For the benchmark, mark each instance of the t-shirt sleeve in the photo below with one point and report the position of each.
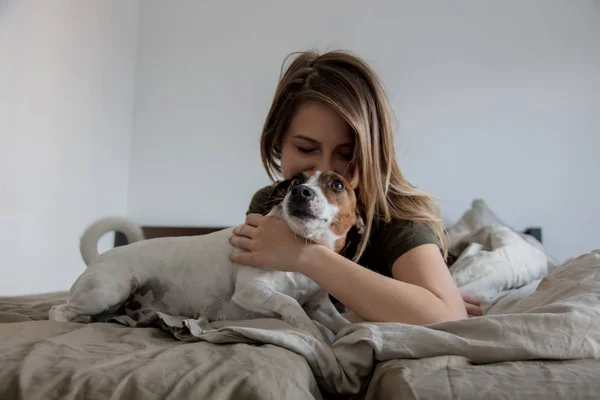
(398, 237)
(260, 201)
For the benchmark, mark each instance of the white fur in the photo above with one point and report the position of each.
(198, 277)
(318, 230)
(89, 247)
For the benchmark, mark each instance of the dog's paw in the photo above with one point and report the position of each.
(59, 313)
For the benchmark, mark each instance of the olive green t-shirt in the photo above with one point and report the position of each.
(387, 241)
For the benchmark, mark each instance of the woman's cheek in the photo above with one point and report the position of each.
(292, 165)
(343, 168)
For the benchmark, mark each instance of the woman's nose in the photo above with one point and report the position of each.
(324, 164)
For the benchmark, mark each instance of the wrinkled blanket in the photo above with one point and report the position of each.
(560, 320)
(494, 261)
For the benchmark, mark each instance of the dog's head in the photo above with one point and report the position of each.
(319, 206)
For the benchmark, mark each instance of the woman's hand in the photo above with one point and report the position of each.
(472, 304)
(269, 242)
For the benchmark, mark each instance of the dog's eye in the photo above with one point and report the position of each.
(338, 185)
(295, 182)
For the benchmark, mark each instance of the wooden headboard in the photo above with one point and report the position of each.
(536, 232)
(151, 232)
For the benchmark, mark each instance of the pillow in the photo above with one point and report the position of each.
(475, 218)
(479, 216)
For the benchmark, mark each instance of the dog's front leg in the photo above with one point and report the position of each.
(320, 308)
(260, 298)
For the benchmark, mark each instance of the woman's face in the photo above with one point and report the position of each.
(318, 138)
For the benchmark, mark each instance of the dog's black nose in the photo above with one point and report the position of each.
(303, 192)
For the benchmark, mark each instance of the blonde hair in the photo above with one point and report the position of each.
(346, 83)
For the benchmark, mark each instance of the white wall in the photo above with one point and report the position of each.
(494, 100)
(66, 98)
(498, 101)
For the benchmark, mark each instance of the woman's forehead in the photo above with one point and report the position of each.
(320, 124)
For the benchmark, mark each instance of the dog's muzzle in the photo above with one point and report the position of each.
(299, 202)
(302, 193)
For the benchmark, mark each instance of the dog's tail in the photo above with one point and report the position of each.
(88, 245)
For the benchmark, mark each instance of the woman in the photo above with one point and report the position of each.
(330, 112)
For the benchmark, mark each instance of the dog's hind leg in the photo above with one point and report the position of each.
(96, 290)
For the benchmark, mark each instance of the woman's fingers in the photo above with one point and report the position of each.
(472, 303)
(241, 242)
(254, 219)
(245, 230)
(473, 310)
(470, 298)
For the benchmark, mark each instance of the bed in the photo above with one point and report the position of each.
(539, 338)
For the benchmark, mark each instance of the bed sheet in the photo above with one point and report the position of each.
(44, 359)
(545, 344)
(454, 377)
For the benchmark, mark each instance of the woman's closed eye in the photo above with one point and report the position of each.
(305, 149)
(345, 156)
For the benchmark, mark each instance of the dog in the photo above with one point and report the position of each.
(197, 278)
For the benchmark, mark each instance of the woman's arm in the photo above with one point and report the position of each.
(421, 292)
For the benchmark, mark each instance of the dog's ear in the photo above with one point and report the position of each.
(277, 195)
(281, 190)
(360, 223)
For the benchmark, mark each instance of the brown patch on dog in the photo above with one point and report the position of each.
(347, 215)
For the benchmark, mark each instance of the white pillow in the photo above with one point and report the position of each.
(479, 216)
(475, 218)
